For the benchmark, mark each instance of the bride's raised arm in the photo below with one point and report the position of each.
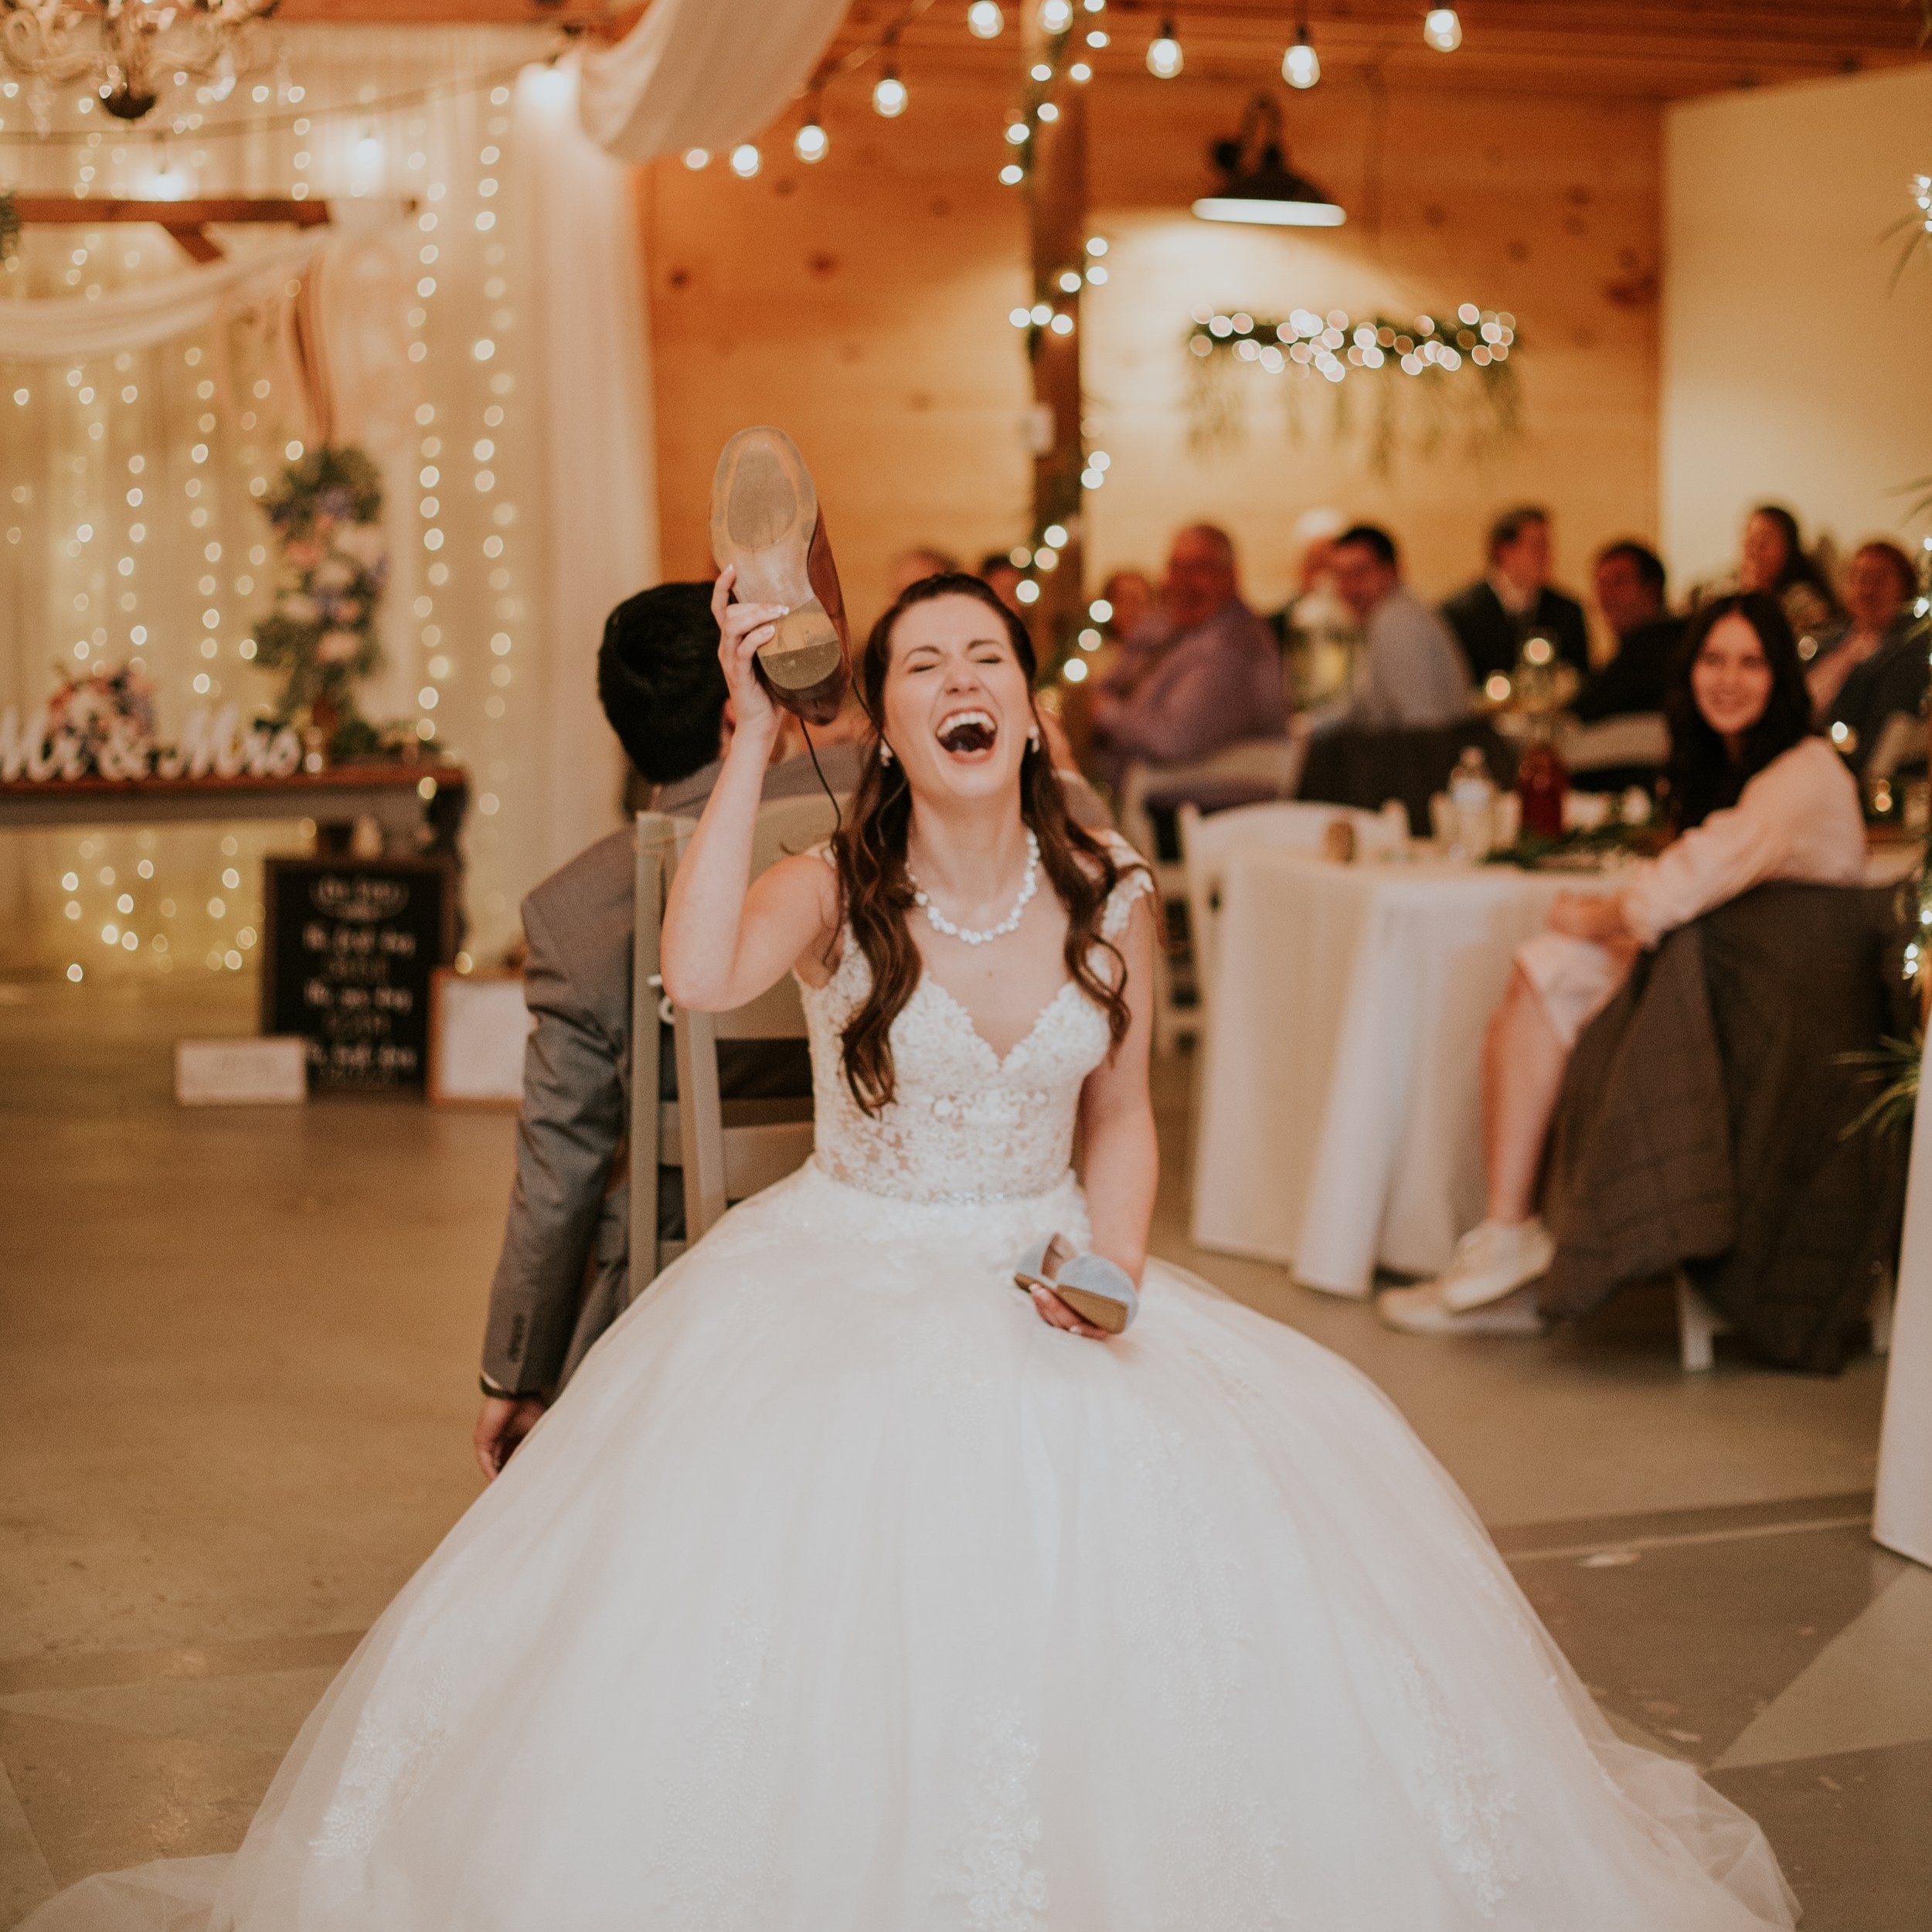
(727, 937)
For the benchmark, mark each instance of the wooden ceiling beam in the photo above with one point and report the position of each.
(1659, 48)
(597, 15)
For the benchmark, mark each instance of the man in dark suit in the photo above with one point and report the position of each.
(1513, 602)
(1630, 593)
(564, 1276)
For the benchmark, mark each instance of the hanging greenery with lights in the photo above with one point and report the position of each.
(1420, 385)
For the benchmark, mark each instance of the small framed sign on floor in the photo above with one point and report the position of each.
(352, 944)
(478, 1023)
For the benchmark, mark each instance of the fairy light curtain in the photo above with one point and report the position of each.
(130, 525)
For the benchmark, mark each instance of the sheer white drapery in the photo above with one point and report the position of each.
(703, 73)
(59, 328)
(593, 364)
(129, 523)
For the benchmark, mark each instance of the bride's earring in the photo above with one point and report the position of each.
(885, 752)
(1033, 738)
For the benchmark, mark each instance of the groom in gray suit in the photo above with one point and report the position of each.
(564, 1276)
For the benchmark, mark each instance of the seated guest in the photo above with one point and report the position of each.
(1204, 674)
(1410, 673)
(1127, 598)
(1870, 667)
(1001, 575)
(564, 1275)
(1130, 598)
(1318, 631)
(914, 566)
(1512, 601)
(1772, 558)
(1630, 593)
(1754, 796)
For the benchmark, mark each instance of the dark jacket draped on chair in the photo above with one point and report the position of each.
(1703, 1124)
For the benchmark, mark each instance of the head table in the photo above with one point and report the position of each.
(1339, 1120)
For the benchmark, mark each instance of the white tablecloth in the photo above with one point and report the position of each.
(1903, 1519)
(1340, 1111)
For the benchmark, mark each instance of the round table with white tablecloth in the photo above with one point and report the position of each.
(1339, 1127)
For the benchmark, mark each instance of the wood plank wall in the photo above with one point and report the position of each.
(862, 304)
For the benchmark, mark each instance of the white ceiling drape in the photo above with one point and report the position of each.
(59, 328)
(703, 73)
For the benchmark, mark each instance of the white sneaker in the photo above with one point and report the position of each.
(1419, 1310)
(1494, 1259)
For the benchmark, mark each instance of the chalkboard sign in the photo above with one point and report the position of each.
(352, 944)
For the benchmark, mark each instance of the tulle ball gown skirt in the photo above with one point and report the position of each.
(841, 1594)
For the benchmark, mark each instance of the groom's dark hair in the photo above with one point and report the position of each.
(662, 686)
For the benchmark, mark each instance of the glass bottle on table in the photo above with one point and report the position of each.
(1541, 783)
(1472, 805)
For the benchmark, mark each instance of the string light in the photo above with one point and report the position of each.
(985, 19)
(1330, 345)
(1165, 59)
(811, 144)
(697, 157)
(1442, 28)
(746, 160)
(1056, 16)
(1301, 66)
(889, 96)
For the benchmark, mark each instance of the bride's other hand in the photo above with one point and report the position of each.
(1057, 1314)
(742, 628)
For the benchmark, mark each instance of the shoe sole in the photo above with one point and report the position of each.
(764, 510)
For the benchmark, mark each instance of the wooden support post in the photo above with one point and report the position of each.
(1056, 212)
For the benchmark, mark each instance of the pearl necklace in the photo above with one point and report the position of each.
(940, 923)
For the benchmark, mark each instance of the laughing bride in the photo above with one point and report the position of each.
(851, 1588)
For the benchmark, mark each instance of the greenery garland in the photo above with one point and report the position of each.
(1437, 369)
(327, 508)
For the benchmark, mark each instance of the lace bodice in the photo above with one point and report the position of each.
(966, 1125)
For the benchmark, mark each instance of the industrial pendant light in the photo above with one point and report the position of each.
(1257, 185)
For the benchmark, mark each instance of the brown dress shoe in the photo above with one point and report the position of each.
(765, 520)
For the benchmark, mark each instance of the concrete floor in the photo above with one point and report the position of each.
(240, 1361)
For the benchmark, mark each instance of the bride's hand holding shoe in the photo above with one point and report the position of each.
(742, 628)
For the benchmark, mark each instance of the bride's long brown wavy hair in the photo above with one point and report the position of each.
(870, 849)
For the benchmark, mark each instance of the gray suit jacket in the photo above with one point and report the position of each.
(564, 1274)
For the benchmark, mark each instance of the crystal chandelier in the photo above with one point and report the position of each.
(123, 48)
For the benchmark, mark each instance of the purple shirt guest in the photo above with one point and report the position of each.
(1207, 674)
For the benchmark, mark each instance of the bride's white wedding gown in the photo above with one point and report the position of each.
(840, 1593)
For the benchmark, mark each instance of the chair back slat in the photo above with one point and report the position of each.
(656, 854)
(727, 1150)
